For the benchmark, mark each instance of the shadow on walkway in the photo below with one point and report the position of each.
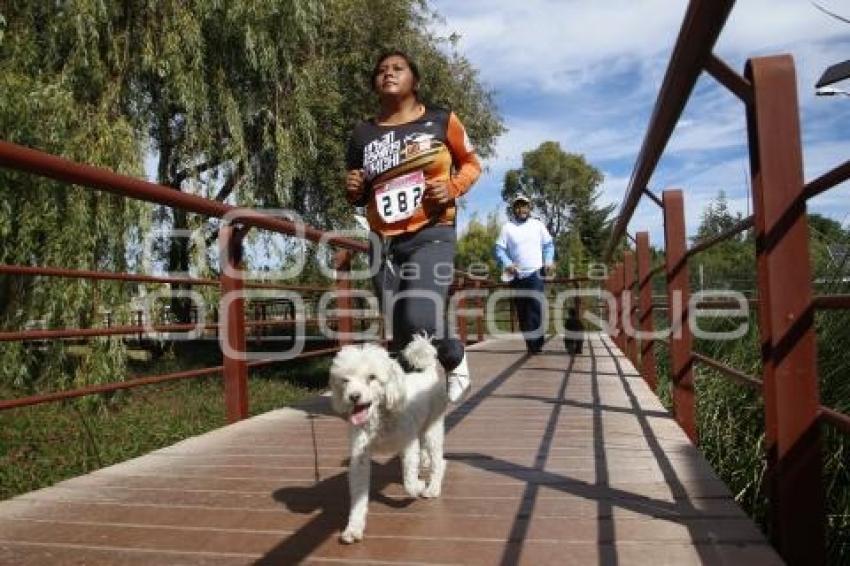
(681, 511)
(329, 498)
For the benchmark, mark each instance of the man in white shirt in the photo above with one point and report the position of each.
(524, 249)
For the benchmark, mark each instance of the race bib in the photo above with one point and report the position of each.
(399, 198)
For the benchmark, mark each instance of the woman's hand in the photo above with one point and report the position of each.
(437, 192)
(354, 183)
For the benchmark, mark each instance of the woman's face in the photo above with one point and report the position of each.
(394, 77)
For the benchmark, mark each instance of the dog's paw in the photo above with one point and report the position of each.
(415, 489)
(351, 535)
(431, 492)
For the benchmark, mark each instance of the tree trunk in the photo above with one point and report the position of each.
(178, 244)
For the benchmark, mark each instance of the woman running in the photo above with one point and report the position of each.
(407, 166)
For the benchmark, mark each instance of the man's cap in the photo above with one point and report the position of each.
(519, 197)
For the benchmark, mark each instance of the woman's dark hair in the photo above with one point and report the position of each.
(414, 68)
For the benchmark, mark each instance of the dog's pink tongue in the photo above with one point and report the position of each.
(359, 415)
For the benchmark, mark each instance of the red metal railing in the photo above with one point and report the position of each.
(234, 369)
(785, 304)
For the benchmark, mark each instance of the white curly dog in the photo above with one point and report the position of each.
(390, 412)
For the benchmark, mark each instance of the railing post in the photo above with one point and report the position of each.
(645, 313)
(257, 327)
(629, 306)
(618, 300)
(479, 318)
(551, 327)
(786, 315)
(577, 302)
(232, 285)
(609, 288)
(678, 295)
(602, 303)
(345, 323)
(461, 312)
(514, 322)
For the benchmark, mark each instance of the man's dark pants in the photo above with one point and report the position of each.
(529, 310)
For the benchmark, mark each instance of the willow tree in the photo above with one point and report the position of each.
(245, 102)
(257, 99)
(47, 101)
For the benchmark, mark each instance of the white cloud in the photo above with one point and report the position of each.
(554, 45)
(587, 74)
(769, 25)
(563, 45)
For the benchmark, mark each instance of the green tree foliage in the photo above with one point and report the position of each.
(829, 244)
(564, 189)
(475, 246)
(730, 264)
(48, 223)
(593, 222)
(717, 218)
(245, 102)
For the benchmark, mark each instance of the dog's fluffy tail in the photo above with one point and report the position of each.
(420, 353)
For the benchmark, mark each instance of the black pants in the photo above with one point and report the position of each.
(529, 310)
(412, 284)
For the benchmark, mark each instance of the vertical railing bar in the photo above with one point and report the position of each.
(647, 346)
(461, 311)
(678, 295)
(345, 322)
(629, 303)
(479, 317)
(234, 346)
(617, 289)
(786, 313)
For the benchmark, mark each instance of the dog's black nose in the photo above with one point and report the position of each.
(354, 397)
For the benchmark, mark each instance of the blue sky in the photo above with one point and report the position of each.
(586, 74)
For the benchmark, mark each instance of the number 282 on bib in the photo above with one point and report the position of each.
(398, 198)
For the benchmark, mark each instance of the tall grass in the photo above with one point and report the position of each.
(44, 444)
(730, 421)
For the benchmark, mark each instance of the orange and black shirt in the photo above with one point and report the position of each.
(399, 159)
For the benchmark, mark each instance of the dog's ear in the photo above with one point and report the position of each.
(394, 395)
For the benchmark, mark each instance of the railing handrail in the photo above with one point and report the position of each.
(140, 278)
(786, 304)
(28, 160)
(43, 164)
(20, 158)
(703, 22)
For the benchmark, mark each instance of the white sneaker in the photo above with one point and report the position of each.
(459, 381)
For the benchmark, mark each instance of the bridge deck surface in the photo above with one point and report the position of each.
(552, 460)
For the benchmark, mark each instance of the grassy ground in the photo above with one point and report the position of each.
(44, 444)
